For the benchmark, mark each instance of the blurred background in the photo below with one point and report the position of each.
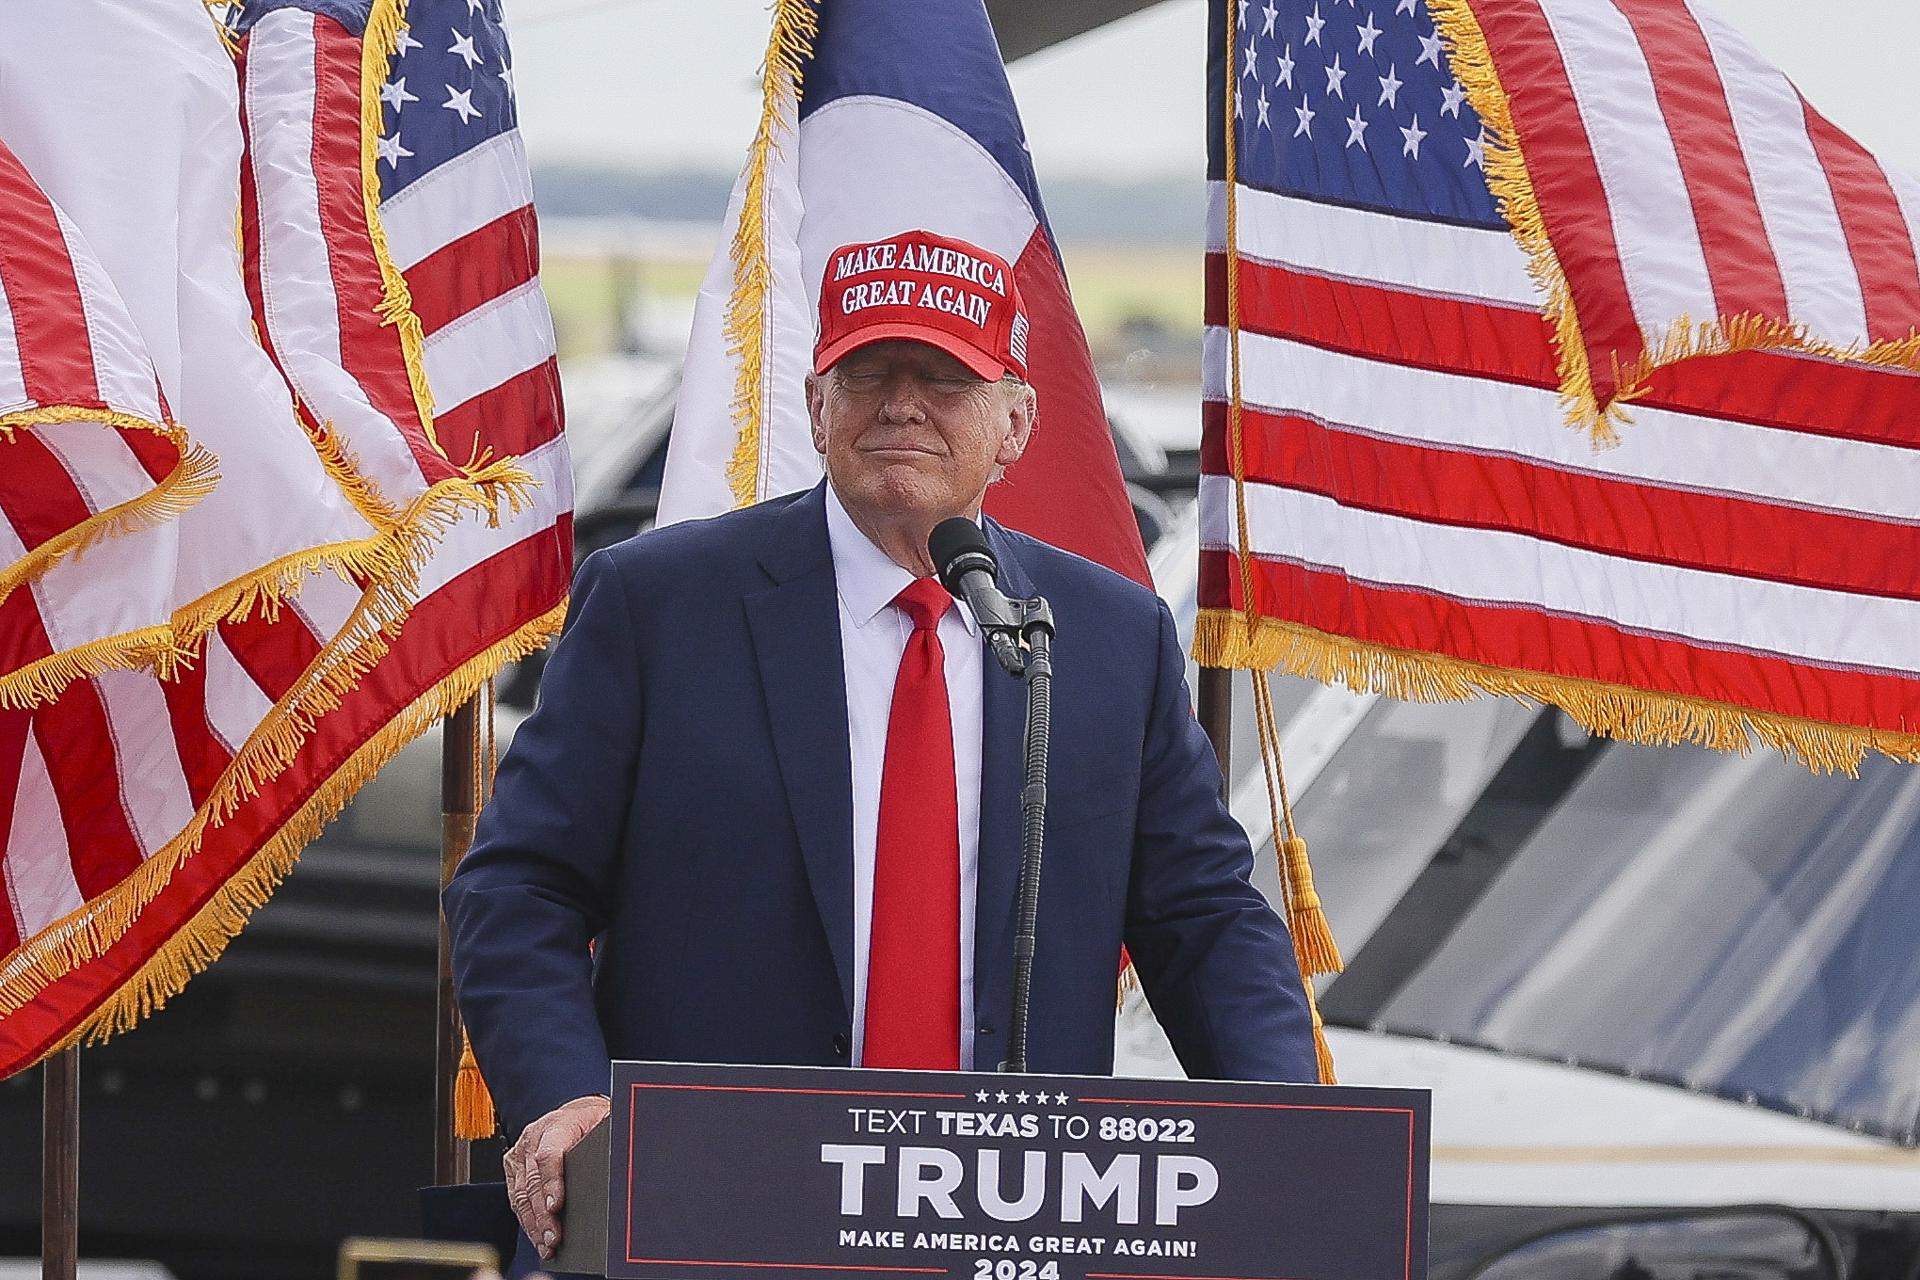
(1616, 952)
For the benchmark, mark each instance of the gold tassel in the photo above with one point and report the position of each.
(473, 1115)
(1322, 1051)
(1313, 940)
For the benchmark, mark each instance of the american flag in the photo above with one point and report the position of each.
(1668, 225)
(428, 386)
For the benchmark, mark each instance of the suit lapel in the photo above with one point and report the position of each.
(1002, 753)
(796, 637)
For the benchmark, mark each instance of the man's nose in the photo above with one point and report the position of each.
(900, 401)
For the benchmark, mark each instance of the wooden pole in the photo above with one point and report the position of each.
(459, 810)
(60, 1166)
(1216, 717)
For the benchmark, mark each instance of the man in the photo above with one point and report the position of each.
(773, 775)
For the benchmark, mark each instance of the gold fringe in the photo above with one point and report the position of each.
(154, 649)
(1226, 639)
(382, 41)
(795, 24)
(60, 949)
(1518, 202)
(473, 1114)
(191, 479)
(1129, 979)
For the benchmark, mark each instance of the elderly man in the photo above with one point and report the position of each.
(774, 777)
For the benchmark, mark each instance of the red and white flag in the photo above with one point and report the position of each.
(861, 139)
(429, 549)
(1440, 231)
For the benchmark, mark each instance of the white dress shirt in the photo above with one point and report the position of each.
(873, 636)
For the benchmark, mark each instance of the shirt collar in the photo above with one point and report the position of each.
(866, 578)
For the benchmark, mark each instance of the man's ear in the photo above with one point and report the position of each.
(815, 395)
(1023, 417)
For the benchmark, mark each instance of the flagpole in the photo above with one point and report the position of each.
(459, 810)
(60, 1166)
(1216, 718)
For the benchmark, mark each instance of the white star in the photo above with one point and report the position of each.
(1368, 34)
(1252, 57)
(394, 93)
(461, 101)
(980, 1096)
(475, 6)
(1336, 78)
(1476, 153)
(1414, 137)
(1306, 115)
(1272, 15)
(1454, 96)
(506, 74)
(390, 150)
(1430, 50)
(1243, 12)
(1002, 1095)
(1357, 129)
(405, 43)
(1020, 1096)
(1239, 102)
(1061, 1098)
(1314, 23)
(1261, 103)
(1286, 67)
(1390, 88)
(463, 45)
(1405, 6)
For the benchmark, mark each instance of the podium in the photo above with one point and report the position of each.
(748, 1173)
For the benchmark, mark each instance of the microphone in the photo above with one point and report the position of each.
(968, 569)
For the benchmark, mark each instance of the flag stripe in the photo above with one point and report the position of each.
(463, 195)
(1713, 455)
(1573, 199)
(40, 870)
(153, 785)
(1419, 256)
(1875, 229)
(202, 756)
(273, 652)
(1803, 226)
(40, 499)
(1726, 212)
(1783, 391)
(103, 847)
(56, 356)
(1517, 494)
(1659, 245)
(14, 728)
(519, 415)
(1530, 639)
(486, 346)
(1814, 625)
(468, 273)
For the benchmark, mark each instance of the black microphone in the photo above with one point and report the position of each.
(968, 569)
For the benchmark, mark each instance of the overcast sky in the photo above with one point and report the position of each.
(671, 82)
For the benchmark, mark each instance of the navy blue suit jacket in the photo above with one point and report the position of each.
(682, 794)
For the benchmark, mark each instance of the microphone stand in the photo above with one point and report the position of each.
(1031, 622)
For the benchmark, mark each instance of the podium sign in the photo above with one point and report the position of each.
(746, 1172)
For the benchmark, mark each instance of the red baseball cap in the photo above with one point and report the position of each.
(927, 288)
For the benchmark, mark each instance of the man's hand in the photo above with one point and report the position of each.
(536, 1180)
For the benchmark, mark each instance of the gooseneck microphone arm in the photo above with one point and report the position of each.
(968, 569)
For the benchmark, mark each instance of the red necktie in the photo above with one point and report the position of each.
(913, 956)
